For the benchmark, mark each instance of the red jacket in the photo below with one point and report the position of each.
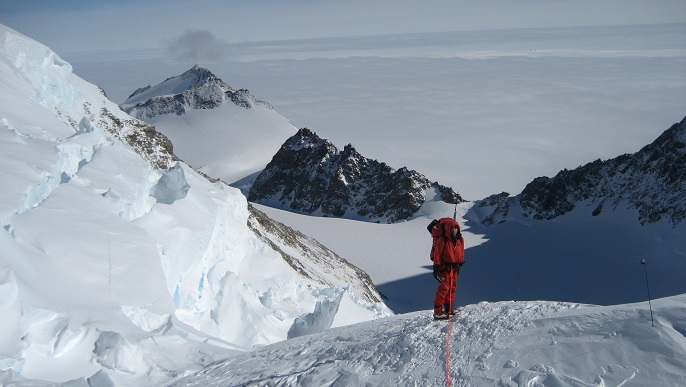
(446, 249)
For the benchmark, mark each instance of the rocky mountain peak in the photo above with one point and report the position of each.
(310, 175)
(651, 181)
(197, 88)
(199, 75)
(196, 77)
(305, 138)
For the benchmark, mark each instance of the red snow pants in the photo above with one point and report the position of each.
(445, 294)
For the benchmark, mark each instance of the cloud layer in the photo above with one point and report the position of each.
(482, 112)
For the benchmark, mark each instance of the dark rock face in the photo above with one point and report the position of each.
(310, 175)
(197, 88)
(652, 180)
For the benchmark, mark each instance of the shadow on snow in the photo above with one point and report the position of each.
(593, 262)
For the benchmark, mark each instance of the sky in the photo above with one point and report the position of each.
(78, 25)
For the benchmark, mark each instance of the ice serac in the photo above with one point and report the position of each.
(318, 321)
(121, 265)
(651, 181)
(171, 186)
(310, 175)
(225, 133)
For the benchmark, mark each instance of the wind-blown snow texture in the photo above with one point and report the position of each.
(120, 264)
(310, 175)
(503, 344)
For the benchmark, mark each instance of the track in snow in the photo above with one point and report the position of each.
(506, 343)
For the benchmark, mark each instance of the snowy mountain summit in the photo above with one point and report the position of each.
(310, 175)
(197, 88)
(651, 181)
(225, 133)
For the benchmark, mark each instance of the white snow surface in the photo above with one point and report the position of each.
(530, 343)
(576, 257)
(229, 142)
(112, 271)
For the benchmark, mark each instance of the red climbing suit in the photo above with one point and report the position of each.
(448, 253)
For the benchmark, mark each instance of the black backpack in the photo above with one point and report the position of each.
(432, 225)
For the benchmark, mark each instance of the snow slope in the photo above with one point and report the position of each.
(114, 268)
(505, 344)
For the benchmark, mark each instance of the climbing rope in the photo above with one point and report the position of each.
(447, 354)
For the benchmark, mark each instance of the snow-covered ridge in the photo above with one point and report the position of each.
(50, 82)
(651, 181)
(312, 176)
(316, 261)
(121, 264)
(491, 344)
(197, 88)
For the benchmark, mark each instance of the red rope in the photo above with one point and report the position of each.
(447, 353)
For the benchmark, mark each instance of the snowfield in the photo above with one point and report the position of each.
(529, 343)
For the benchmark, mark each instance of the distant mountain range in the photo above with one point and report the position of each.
(307, 174)
(652, 181)
(312, 176)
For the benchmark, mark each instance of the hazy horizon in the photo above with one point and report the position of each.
(481, 97)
